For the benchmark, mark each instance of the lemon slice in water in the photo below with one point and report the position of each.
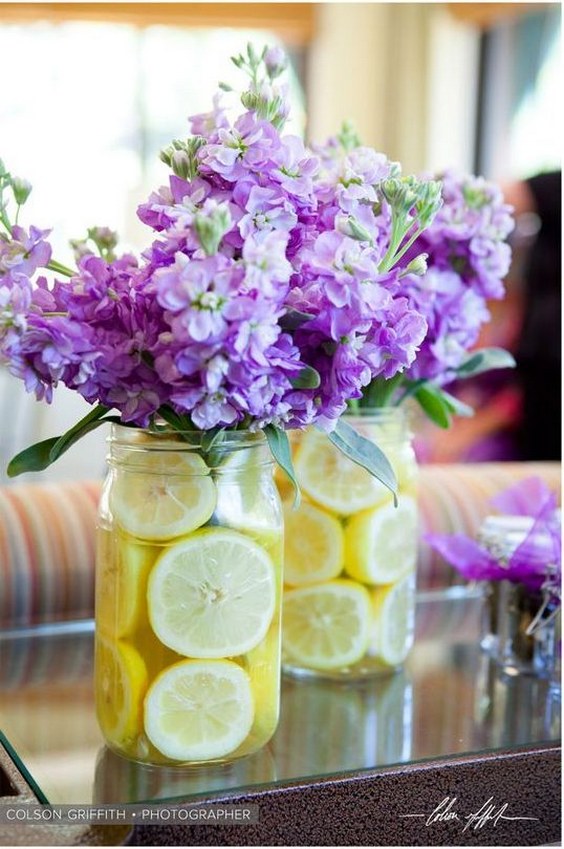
(314, 545)
(162, 495)
(199, 710)
(381, 544)
(123, 566)
(332, 480)
(394, 622)
(328, 625)
(121, 682)
(212, 594)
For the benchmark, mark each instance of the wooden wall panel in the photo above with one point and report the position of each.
(294, 22)
(485, 15)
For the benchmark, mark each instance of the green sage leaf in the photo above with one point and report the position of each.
(485, 360)
(175, 421)
(211, 438)
(280, 448)
(434, 405)
(35, 458)
(38, 457)
(459, 408)
(75, 432)
(366, 453)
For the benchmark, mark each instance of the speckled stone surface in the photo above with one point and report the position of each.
(376, 809)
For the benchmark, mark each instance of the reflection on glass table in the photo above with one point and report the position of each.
(450, 700)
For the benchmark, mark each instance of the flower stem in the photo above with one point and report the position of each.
(59, 268)
(4, 220)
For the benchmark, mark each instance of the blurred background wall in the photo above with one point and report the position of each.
(95, 90)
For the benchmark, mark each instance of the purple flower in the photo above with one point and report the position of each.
(242, 150)
(266, 209)
(252, 226)
(208, 123)
(534, 557)
(24, 252)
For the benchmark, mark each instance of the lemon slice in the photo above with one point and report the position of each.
(199, 710)
(121, 682)
(246, 498)
(163, 495)
(332, 480)
(392, 635)
(123, 567)
(326, 626)
(381, 544)
(212, 594)
(314, 545)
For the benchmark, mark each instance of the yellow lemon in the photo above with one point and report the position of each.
(392, 635)
(326, 626)
(381, 544)
(121, 585)
(121, 683)
(332, 480)
(314, 545)
(212, 594)
(163, 495)
(199, 710)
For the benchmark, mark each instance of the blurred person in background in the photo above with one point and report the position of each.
(538, 351)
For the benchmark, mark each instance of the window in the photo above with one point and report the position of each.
(520, 130)
(85, 121)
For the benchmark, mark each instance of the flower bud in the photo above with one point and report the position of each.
(348, 137)
(353, 228)
(21, 189)
(211, 226)
(104, 238)
(275, 62)
(418, 265)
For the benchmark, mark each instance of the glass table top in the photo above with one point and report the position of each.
(449, 700)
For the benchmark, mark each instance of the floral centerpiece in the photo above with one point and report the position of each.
(282, 286)
(268, 297)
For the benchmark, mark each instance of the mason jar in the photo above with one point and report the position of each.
(188, 589)
(350, 555)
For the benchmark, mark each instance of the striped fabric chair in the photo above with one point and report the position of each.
(47, 552)
(47, 535)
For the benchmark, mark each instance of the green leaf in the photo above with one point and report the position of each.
(280, 448)
(171, 418)
(75, 432)
(32, 459)
(434, 405)
(366, 453)
(210, 438)
(485, 360)
(38, 457)
(456, 406)
(308, 378)
(292, 319)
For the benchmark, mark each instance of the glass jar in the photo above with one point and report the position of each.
(520, 624)
(188, 588)
(528, 641)
(349, 593)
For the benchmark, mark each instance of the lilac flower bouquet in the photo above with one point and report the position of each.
(284, 286)
(466, 257)
(270, 297)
